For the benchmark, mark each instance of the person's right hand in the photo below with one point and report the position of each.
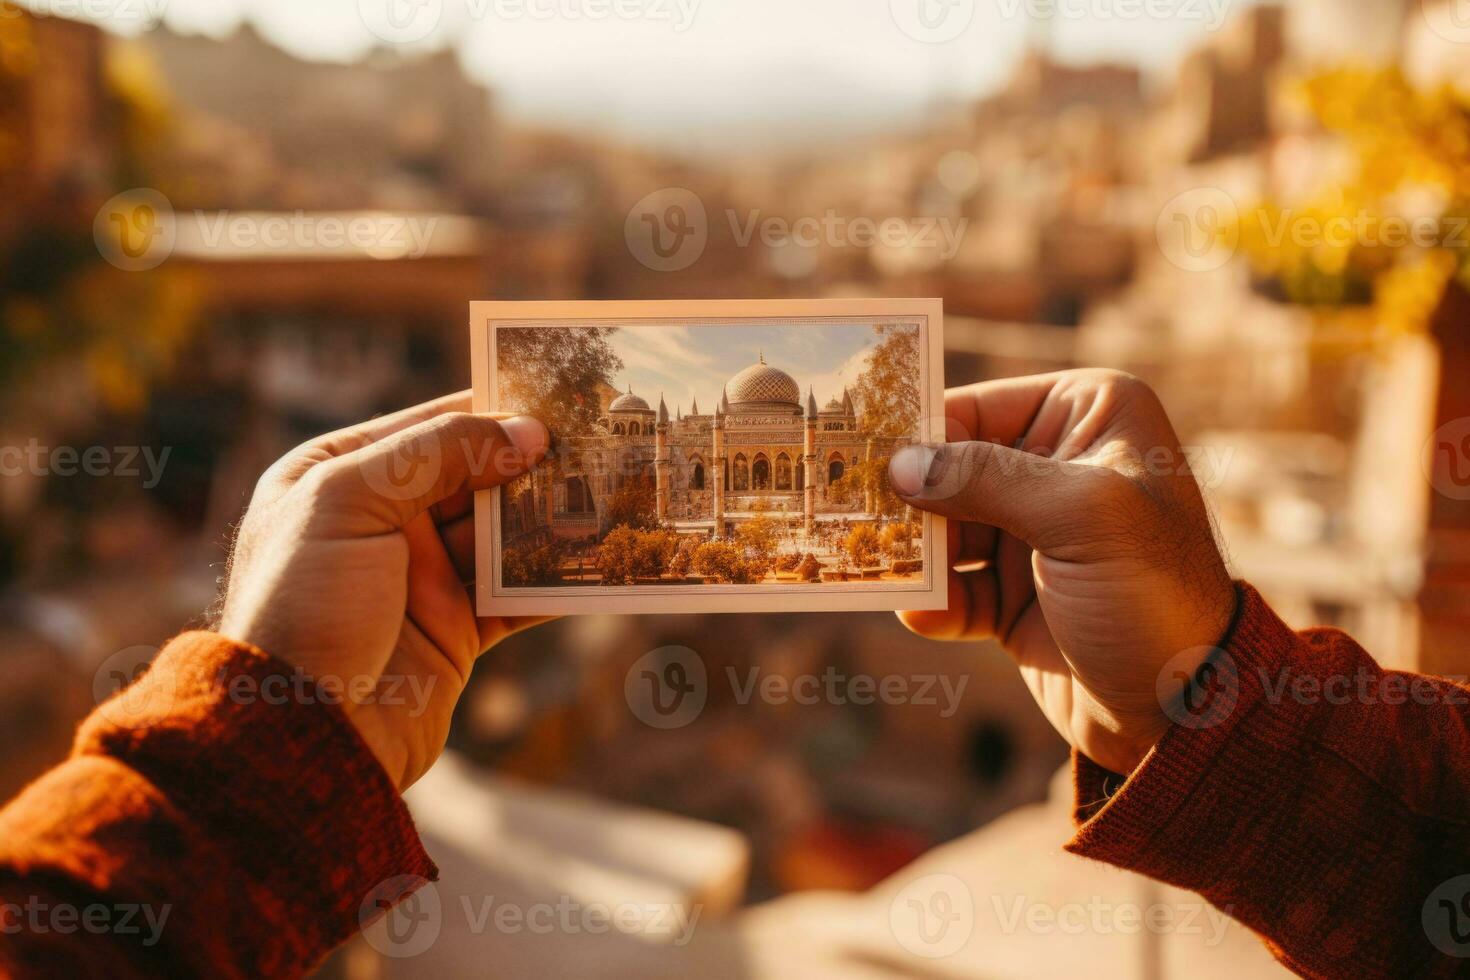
(1100, 567)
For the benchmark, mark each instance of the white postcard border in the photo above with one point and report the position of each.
(493, 598)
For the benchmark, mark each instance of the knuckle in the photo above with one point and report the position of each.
(1112, 495)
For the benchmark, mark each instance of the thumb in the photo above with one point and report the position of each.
(1035, 498)
(384, 485)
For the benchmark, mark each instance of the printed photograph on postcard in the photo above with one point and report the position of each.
(723, 456)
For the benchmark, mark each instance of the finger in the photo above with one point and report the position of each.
(971, 614)
(383, 486)
(493, 629)
(1035, 498)
(437, 601)
(459, 543)
(354, 437)
(290, 468)
(454, 507)
(997, 411)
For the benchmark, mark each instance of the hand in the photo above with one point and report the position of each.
(352, 562)
(1099, 562)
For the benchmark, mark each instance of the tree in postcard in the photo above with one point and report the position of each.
(554, 374)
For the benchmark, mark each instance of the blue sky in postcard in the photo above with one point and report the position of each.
(683, 362)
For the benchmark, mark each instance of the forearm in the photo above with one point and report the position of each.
(1321, 809)
(239, 836)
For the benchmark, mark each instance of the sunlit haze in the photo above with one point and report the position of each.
(698, 75)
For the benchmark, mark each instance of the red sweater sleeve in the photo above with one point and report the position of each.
(1322, 801)
(197, 831)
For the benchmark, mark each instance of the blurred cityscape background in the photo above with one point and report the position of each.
(1158, 208)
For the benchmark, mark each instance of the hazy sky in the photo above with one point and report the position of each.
(686, 362)
(702, 71)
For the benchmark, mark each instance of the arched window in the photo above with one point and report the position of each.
(742, 474)
(783, 472)
(696, 476)
(579, 501)
(835, 469)
(633, 429)
(617, 428)
(760, 474)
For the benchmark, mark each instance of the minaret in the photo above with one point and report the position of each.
(724, 408)
(694, 407)
(661, 460)
(809, 463)
(718, 465)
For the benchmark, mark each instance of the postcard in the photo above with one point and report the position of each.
(711, 456)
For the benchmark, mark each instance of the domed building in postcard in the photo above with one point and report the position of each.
(766, 448)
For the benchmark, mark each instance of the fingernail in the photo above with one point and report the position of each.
(528, 435)
(908, 471)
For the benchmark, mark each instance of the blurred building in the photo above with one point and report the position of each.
(57, 136)
(259, 128)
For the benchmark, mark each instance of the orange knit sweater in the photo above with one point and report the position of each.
(1332, 816)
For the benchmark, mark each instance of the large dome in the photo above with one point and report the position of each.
(629, 403)
(763, 383)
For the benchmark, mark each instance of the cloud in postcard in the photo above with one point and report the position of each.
(695, 361)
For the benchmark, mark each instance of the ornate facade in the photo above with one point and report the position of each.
(764, 448)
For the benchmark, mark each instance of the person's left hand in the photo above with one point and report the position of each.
(355, 562)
